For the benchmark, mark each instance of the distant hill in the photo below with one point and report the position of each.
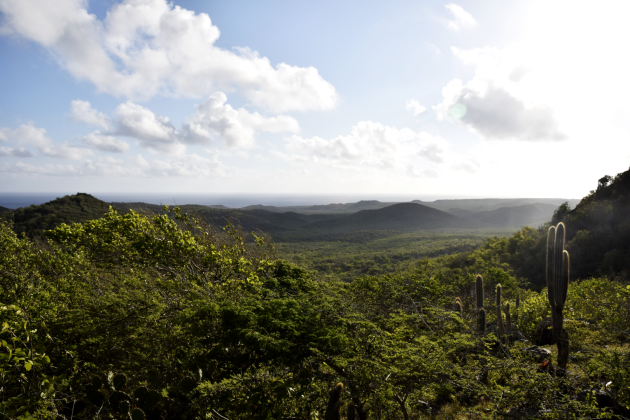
(78, 208)
(400, 217)
(466, 207)
(325, 208)
(527, 215)
(4, 209)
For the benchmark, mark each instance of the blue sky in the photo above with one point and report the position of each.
(486, 99)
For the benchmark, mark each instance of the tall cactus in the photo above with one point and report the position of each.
(557, 287)
(500, 326)
(458, 307)
(479, 291)
(481, 326)
(351, 411)
(508, 319)
(481, 320)
(334, 403)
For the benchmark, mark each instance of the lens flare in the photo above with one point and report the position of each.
(458, 111)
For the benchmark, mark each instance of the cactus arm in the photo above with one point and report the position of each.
(481, 320)
(557, 264)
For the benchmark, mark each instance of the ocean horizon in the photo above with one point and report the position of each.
(16, 200)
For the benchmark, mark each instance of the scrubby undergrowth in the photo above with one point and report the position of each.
(166, 318)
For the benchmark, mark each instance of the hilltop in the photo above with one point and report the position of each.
(77, 208)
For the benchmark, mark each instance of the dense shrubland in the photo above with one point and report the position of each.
(164, 317)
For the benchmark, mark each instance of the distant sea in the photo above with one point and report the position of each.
(15, 200)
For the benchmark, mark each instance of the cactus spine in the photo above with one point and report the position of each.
(481, 320)
(557, 287)
(500, 326)
(479, 291)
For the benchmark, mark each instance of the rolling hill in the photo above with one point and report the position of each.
(77, 208)
(526, 215)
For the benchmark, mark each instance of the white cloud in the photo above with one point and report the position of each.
(415, 107)
(468, 165)
(105, 143)
(83, 112)
(461, 18)
(432, 152)
(369, 144)
(236, 126)
(145, 48)
(152, 131)
(29, 135)
(499, 102)
(19, 152)
(433, 48)
(192, 165)
(414, 172)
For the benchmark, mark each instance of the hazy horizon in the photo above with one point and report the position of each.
(16, 200)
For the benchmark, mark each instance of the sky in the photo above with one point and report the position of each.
(466, 99)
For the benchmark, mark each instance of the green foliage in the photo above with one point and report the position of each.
(78, 208)
(165, 317)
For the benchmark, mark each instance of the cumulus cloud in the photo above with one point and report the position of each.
(237, 127)
(105, 143)
(461, 18)
(415, 107)
(415, 172)
(19, 152)
(152, 131)
(432, 152)
(496, 102)
(82, 111)
(145, 48)
(369, 144)
(29, 135)
(212, 118)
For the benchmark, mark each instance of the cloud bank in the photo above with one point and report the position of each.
(145, 48)
(369, 145)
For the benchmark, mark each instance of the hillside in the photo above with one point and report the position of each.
(534, 214)
(597, 237)
(4, 209)
(78, 208)
(326, 208)
(400, 217)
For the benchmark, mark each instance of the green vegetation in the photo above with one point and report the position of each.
(34, 220)
(381, 252)
(166, 317)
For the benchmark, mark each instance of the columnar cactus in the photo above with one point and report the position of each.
(351, 411)
(508, 319)
(334, 403)
(479, 291)
(481, 320)
(557, 287)
(458, 307)
(500, 326)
